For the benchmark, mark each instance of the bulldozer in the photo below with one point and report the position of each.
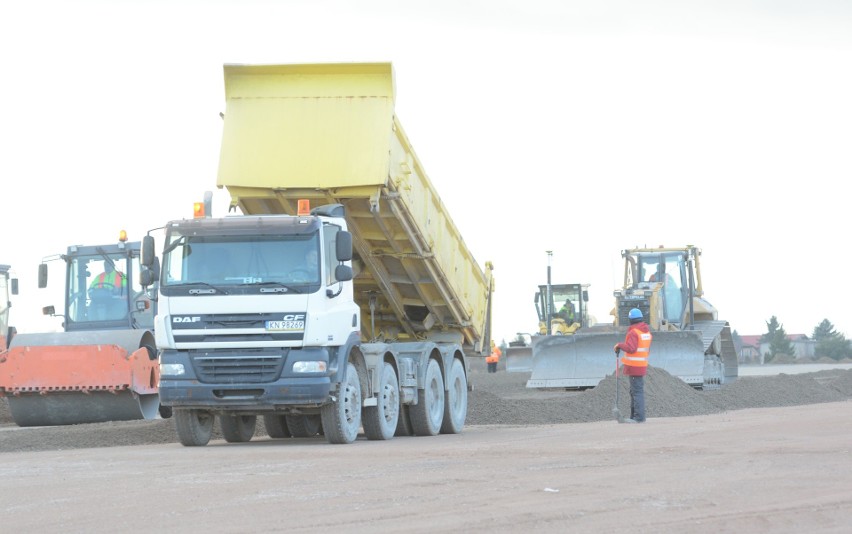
(561, 310)
(689, 340)
(103, 365)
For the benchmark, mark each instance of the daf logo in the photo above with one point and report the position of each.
(186, 319)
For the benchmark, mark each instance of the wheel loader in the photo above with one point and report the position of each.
(103, 365)
(690, 341)
(563, 307)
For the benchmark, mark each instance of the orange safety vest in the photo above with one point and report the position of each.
(643, 349)
(494, 357)
(109, 280)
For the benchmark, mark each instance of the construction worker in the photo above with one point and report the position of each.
(494, 358)
(636, 347)
(566, 312)
(110, 279)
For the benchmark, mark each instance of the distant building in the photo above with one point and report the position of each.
(751, 350)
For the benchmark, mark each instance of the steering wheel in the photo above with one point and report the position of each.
(98, 293)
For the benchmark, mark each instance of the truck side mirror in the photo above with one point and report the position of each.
(42, 275)
(48, 310)
(147, 255)
(149, 275)
(14, 286)
(343, 273)
(146, 277)
(344, 247)
(585, 296)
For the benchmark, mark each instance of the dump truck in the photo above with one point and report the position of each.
(8, 285)
(549, 301)
(342, 296)
(103, 365)
(690, 341)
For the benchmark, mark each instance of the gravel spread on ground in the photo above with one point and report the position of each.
(497, 399)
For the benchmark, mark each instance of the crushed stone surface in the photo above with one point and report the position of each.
(497, 399)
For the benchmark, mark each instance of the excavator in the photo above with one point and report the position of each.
(7, 285)
(690, 341)
(563, 307)
(103, 365)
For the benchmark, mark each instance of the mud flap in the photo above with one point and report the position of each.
(583, 360)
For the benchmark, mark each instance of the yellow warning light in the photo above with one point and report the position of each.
(122, 236)
(304, 207)
(198, 210)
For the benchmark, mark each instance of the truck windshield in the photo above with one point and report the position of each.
(221, 263)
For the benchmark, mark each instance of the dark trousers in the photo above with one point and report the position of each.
(637, 398)
(492, 367)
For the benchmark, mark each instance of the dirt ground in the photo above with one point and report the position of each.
(764, 454)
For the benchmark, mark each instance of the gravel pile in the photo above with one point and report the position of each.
(498, 399)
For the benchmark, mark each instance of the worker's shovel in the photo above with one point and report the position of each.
(615, 411)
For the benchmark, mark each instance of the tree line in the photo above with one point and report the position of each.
(829, 342)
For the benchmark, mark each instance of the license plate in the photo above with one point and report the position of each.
(285, 325)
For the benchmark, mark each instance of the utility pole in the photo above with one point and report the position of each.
(549, 303)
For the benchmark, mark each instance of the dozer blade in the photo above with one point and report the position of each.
(583, 360)
(87, 377)
(518, 359)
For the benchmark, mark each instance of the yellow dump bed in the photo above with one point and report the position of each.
(328, 133)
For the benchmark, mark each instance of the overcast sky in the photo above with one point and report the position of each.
(578, 127)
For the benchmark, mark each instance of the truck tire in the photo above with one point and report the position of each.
(276, 426)
(304, 426)
(341, 419)
(237, 428)
(194, 427)
(455, 406)
(403, 423)
(428, 414)
(380, 420)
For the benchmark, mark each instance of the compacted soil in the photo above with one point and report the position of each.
(763, 454)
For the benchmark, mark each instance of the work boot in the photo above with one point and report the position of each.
(629, 420)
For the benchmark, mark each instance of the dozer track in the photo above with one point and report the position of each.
(69, 378)
(581, 361)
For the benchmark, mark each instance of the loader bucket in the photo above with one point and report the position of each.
(583, 360)
(69, 378)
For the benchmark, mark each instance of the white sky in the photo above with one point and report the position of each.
(578, 127)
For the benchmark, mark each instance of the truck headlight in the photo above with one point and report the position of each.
(172, 369)
(309, 367)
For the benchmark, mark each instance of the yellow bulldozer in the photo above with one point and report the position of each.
(690, 341)
(561, 310)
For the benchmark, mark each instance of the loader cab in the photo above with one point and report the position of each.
(549, 303)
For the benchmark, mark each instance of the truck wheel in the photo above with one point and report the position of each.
(194, 427)
(303, 426)
(237, 428)
(341, 419)
(276, 426)
(455, 407)
(380, 420)
(165, 411)
(403, 423)
(428, 414)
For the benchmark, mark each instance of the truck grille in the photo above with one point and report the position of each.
(242, 328)
(238, 368)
